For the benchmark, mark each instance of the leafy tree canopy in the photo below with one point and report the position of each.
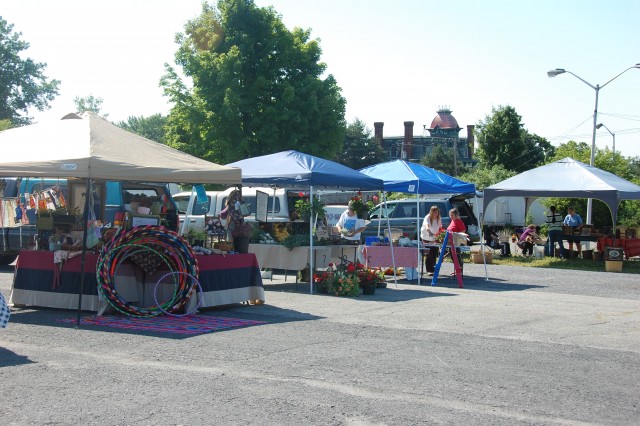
(256, 87)
(502, 140)
(442, 159)
(23, 84)
(89, 103)
(483, 176)
(360, 148)
(151, 127)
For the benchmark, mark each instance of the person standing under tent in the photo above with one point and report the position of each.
(431, 226)
(554, 223)
(573, 220)
(456, 225)
(349, 225)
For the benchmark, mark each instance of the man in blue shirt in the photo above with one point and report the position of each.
(573, 220)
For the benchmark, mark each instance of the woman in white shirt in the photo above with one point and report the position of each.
(431, 226)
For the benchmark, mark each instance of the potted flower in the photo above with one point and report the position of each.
(370, 279)
(338, 280)
(343, 283)
(360, 207)
(304, 208)
(321, 280)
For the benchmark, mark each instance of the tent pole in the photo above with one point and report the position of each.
(85, 219)
(189, 209)
(418, 231)
(393, 257)
(311, 240)
(482, 240)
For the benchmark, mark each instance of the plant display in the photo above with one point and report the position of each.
(346, 279)
(295, 240)
(304, 208)
(358, 205)
(280, 232)
(369, 276)
(340, 280)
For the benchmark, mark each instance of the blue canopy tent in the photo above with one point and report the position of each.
(412, 178)
(293, 169)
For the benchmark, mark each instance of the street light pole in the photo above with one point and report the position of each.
(612, 135)
(597, 87)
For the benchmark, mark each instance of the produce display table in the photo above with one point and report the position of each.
(38, 281)
(276, 256)
(380, 256)
(631, 246)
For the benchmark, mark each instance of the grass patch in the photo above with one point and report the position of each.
(629, 266)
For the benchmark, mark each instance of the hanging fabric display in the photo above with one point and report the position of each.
(30, 201)
(25, 218)
(8, 207)
(94, 234)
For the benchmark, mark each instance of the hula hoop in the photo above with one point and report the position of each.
(155, 294)
(174, 251)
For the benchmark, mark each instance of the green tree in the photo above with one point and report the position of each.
(483, 176)
(151, 127)
(89, 103)
(441, 158)
(503, 140)
(257, 87)
(360, 148)
(23, 84)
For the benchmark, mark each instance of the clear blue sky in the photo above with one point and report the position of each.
(395, 61)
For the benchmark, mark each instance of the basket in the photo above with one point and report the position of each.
(476, 257)
(223, 245)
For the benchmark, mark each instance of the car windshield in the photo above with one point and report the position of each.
(381, 212)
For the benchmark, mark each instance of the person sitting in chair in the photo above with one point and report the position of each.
(527, 240)
(492, 239)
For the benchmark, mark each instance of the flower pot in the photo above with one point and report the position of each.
(241, 244)
(368, 290)
(322, 288)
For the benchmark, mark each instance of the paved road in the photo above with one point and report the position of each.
(528, 346)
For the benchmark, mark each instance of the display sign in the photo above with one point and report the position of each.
(144, 220)
(262, 200)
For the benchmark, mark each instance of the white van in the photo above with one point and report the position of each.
(216, 201)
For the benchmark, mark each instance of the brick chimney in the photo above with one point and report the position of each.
(470, 140)
(408, 139)
(378, 125)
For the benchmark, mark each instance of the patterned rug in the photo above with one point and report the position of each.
(187, 325)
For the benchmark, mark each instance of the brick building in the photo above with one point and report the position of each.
(444, 130)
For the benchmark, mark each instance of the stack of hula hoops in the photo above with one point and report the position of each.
(174, 251)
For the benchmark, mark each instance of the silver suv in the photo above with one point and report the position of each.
(402, 214)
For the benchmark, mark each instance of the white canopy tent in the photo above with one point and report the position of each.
(88, 146)
(565, 178)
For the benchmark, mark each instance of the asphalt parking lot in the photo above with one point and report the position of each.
(525, 346)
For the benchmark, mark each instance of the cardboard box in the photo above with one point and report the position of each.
(476, 257)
